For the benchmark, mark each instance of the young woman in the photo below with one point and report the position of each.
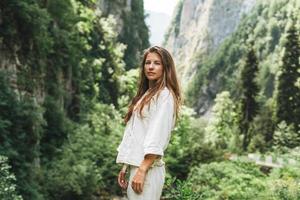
(150, 119)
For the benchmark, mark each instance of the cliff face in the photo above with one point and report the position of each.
(13, 61)
(9, 62)
(199, 27)
(131, 27)
(210, 40)
(115, 8)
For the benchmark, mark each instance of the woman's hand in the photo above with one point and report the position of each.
(138, 180)
(122, 178)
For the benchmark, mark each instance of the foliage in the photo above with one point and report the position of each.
(235, 180)
(86, 166)
(249, 105)
(7, 182)
(25, 23)
(179, 190)
(135, 34)
(284, 183)
(288, 94)
(128, 88)
(187, 147)
(262, 128)
(265, 28)
(177, 155)
(21, 124)
(285, 137)
(293, 154)
(175, 24)
(68, 59)
(227, 180)
(264, 25)
(60, 123)
(222, 131)
(100, 65)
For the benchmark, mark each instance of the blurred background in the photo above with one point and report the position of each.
(68, 70)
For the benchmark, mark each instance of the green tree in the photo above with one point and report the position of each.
(288, 94)
(222, 130)
(285, 137)
(262, 128)
(7, 182)
(86, 167)
(68, 58)
(68, 63)
(187, 147)
(249, 106)
(21, 122)
(135, 34)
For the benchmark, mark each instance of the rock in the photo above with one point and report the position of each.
(199, 27)
(203, 26)
(116, 9)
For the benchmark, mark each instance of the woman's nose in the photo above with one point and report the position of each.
(151, 66)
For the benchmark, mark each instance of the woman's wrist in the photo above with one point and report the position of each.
(147, 162)
(143, 169)
(124, 168)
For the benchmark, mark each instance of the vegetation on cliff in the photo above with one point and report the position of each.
(64, 87)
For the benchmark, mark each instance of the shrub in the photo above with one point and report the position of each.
(7, 182)
(227, 180)
(284, 183)
(86, 167)
(285, 137)
(187, 147)
(175, 189)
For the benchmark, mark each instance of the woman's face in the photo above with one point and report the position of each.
(153, 67)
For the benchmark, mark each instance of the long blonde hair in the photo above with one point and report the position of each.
(169, 80)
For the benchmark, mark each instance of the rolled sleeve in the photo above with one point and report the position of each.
(160, 125)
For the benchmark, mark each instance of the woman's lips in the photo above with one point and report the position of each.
(151, 73)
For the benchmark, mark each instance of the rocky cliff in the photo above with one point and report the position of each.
(12, 57)
(115, 8)
(210, 40)
(131, 27)
(199, 27)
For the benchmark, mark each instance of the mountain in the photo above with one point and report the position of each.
(199, 27)
(130, 26)
(210, 39)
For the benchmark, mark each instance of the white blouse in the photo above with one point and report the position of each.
(148, 135)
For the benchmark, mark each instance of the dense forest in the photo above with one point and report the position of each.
(63, 91)
(68, 70)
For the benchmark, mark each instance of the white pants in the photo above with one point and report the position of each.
(153, 185)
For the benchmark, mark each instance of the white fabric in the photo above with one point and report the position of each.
(148, 135)
(153, 184)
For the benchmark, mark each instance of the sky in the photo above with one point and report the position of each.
(163, 6)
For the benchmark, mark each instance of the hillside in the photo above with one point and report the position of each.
(265, 27)
(199, 27)
(62, 62)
